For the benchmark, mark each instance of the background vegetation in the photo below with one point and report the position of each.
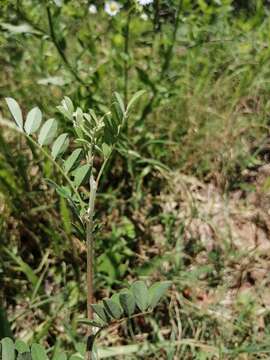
(184, 199)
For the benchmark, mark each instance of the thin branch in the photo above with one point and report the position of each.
(59, 49)
(90, 250)
(157, 22)
(168, 55)
(52, 37)
(126, 61)
(24, 16)
(90, 260)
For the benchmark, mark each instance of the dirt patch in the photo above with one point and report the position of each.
(234, 226)
(239, 219)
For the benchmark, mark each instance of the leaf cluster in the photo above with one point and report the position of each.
(92, 136)
(19, 350)
(135, 300)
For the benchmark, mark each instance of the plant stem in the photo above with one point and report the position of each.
(167, 60)
(157, 23)
(90, 257)
(126, 61)
(90, 252)
(168, 55)
(59, 49)
(24, 16)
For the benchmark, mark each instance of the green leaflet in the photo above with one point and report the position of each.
(140, 293)
(120, 102)
(100, 311)
(92, 116)
(113, 308)
(19, 29)
(33, 121)
(127, 302)
(38, 352)
(47, 132)
(156, 292)
(80, 174)
(8, 349)
(106, 149)
(66, 108)
(16, 111)
(24, 356)
(63, 191)
(134, 98)
(71, 160)
(60, 145)
(117, 113)
(21, 346)
(68, 104)
(59, 356)
(115, 297)
(23, 267)
(65, 215)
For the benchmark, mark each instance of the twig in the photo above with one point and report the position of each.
(168, 55)
(90, 246)
(59, 49)
(90, 251)
(126, 60)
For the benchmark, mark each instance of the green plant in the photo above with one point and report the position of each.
(125, 305)
(92, 137)
(19, 350)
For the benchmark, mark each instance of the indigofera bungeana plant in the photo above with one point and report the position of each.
(125, 305)
(93, 137)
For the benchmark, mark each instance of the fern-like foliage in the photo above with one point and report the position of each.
(19, 350)
(130, 302)
(137, 300)
(92, 136)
